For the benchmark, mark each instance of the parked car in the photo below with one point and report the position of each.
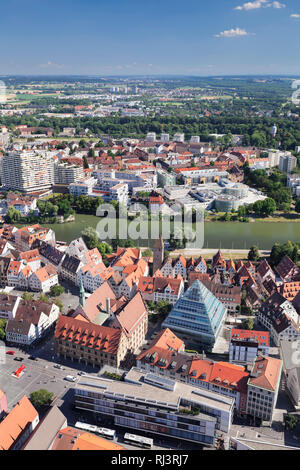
(18, 358)
(58, 366)
(32, 358)
(11, 353)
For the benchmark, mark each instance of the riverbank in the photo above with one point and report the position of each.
(279, 217)
(230, 235)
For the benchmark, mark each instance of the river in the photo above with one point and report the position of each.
(227, 235)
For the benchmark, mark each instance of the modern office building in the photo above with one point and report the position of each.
(198, 316)
(149, 403)
(246, 345)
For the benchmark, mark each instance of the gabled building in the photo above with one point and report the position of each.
(264, 272)
(31, 258)
(43, 279)
(26, 237)
(287, 269)
(31, 321)
(132, 319)
(160, 288)
(280, 318)
(89, 343)
(200, 265)
(263, 386)
(50, 254)
(8, 306)
(17, 426)
(218, 262)
(70, 267)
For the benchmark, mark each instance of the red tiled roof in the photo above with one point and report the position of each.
(88, 334)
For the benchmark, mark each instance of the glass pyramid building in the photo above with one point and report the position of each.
(197, 314)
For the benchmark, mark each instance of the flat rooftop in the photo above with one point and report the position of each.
(135, 388)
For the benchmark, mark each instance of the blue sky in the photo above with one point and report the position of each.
(128, 37)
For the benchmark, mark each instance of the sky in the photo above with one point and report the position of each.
(150, 37)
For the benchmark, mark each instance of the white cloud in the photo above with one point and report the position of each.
(295, 15)
(260, 4)
(232, 33)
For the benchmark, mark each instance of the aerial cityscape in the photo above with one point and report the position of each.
(150, 229)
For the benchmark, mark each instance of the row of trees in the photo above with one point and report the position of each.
(256, 130)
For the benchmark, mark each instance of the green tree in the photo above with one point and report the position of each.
(248, 324)
(297, 205)
(27, 296)
(13, 216)
(253, 254)
(57, 290)
(41, 398)
(2, 329)
(44, 298)
(290, 421)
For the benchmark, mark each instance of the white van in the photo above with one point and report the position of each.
(70, 378)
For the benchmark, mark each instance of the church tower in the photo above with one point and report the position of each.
(82, 295)
(158, 254)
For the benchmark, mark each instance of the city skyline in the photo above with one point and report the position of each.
(96, 38)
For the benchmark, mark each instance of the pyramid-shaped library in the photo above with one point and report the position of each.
(198, 315)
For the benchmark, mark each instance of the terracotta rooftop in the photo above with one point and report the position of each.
(21, 416)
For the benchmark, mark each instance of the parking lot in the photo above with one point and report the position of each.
(42, 373)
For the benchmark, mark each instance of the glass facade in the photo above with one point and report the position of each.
(199, 313)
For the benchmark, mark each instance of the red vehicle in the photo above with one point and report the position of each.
(11, 353)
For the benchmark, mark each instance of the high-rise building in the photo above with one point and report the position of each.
(198, 316)
(27, 171)
(287, 163)
(178, 137)
(151, 137)
(67, 174)
(165, 137)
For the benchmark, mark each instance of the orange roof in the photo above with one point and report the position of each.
(88, 334)
(75, 439)
(269, 370)
(97, 302)
(229, 375)
(31, 255)
(45, 273)
(15, 422)
(258, 336)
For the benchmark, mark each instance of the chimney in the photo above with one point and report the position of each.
(108, 309)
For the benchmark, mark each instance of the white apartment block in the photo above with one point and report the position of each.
(178, 137)
(83, 187)
(27, 171)
(67, 174)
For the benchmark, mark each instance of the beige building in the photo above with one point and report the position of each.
(89, 343)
